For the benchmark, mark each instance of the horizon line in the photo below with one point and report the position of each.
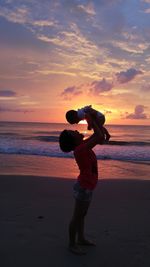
(113, 124)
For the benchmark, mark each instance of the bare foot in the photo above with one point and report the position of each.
(86, 242)
(77, 250)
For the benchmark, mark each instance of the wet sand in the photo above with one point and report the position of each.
(35, 212)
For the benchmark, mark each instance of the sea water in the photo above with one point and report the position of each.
(127, 144)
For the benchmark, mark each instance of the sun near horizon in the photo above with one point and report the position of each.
(49, 115)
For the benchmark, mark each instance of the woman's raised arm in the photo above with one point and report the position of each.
(96, 138)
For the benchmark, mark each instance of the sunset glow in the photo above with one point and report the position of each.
(61, 55)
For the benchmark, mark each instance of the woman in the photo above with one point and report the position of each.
(86, 182)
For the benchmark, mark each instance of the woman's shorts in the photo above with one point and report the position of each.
(81, 193)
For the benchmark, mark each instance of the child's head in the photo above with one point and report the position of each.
(72, 116)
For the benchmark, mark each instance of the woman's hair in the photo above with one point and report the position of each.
(66, 141)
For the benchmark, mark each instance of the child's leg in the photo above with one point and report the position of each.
(89, 122)
(100, 122)
(106, 134)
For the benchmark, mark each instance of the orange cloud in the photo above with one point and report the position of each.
(138, 113)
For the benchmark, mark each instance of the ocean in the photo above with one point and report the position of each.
(22, 143)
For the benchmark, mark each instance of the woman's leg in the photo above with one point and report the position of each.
(84, 209)
(77, 223)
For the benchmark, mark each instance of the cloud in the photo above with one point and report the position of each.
(5, 109)
(146, 1)
(43, 23)
(107, 112)
(7, 93)
(126, 76)
(147, 11)
(95, 88)
(88, 9)
(71, 39)
(131, 43)
(138, 113)
(101, 86)
(17, 15)
(23, 15)
(146, 88)
(57, 72)
(70, 92)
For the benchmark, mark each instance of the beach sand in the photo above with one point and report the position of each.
(35, 212)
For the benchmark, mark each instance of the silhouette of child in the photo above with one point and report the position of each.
(86, 113)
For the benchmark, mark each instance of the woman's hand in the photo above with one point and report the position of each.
(97, 137)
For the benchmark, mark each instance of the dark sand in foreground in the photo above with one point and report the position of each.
(35, 212)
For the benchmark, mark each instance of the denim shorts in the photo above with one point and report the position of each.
(81, 193)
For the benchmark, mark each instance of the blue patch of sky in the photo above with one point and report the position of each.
(14, 34)
(135, 13)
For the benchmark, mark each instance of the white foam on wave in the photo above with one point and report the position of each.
(27, 147)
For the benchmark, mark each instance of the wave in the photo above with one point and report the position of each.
(46, 138)
(104, 152)
(53, 138)
(34, 152)
(61, 155)
(45, 143)
(4, 134)
(48, 132)
(129, 143)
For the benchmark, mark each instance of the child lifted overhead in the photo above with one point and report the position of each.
(86, 113)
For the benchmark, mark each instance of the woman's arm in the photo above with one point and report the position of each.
(95, 138)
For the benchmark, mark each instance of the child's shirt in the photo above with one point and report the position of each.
(87, 163)
(82, 112)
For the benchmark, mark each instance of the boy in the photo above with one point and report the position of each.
(86, 113)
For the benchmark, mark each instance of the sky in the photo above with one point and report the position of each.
(65, 54)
